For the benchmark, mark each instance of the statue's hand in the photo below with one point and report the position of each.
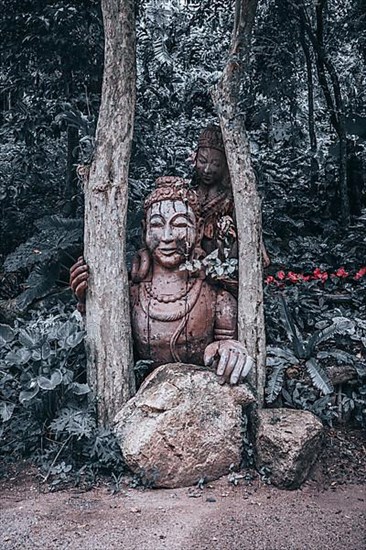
(230, 359)
(79, 280)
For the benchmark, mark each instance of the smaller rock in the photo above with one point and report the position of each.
(287, 443)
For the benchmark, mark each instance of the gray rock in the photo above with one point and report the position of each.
(287, 442)
(182, 425)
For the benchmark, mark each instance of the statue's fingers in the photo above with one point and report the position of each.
(77, 272)
(81, 290)
(238, 370)
(224, 358)
(249, 364)
(210, 354)
(84, 276)
(231, 364)
(80, 262)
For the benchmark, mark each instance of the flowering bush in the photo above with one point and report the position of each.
(281, 277)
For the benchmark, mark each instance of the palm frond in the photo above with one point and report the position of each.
(293, 332)
(319, 377)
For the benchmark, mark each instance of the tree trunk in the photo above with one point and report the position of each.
(334, 102)
(338, 109)
(71, 188)
(109, 344)
(314, 166)
(226, 99)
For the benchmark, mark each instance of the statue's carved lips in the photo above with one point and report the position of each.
(167, 251)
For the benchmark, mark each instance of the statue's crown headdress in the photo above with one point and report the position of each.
(175, 189)
(211, 137)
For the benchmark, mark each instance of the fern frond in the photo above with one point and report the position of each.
(55, 234)
(161, 51)
(57, 222)
(319, 377)
(275, 382)
(340, 325)
(283, 353)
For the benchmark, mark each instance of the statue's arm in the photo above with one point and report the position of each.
(226, 316)
(226, 354)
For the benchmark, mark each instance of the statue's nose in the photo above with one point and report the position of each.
(167, 235)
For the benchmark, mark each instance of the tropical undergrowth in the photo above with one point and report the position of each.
(316, 356)
(44, 407)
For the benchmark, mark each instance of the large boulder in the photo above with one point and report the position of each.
(182, 425)
(287, 442)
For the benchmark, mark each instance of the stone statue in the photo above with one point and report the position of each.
(212, 183)
(177, 316)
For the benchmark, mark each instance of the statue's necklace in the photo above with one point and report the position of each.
(169, 298)
(155, 308)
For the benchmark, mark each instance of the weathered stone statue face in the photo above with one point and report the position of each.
(170, 232)
(211, 165)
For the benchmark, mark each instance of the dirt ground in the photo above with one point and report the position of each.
(328, 512)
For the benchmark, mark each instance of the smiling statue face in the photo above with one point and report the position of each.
(170, 232)
(211, 165)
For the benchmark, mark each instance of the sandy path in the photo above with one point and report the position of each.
(222, 517)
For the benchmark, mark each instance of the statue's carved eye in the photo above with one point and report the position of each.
(156, 221)
(180, 223)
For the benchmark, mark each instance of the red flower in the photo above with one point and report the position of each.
(281, 275)
(342, 273)
(319, 274)
(270, 279)
(305, 278)
(360, 273)
(293, 277)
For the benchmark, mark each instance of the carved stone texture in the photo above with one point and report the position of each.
(175, 315)
(287, 442)
(182, 426)
(214, 190)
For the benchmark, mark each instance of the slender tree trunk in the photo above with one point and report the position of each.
(314, 166)
(109, 343)
(334, 100)
(226, 97)
(71, 188)
(324, 63)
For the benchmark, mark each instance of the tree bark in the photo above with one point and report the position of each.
(226, 99)
(109, 344)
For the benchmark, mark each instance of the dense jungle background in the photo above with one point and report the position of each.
(306, 116)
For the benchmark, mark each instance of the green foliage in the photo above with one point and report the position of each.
(44, 405)
(315, 345)
(57, 241)
(303, 354)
